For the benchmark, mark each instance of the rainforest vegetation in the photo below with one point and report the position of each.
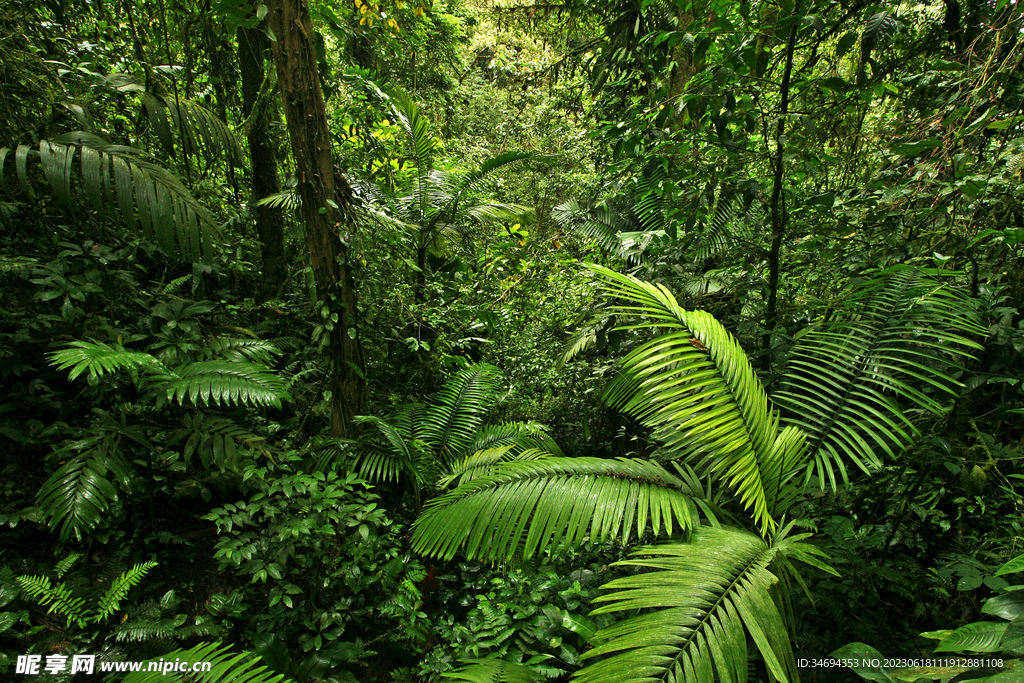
(372, 341)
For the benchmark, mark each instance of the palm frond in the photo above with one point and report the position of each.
(696, 388)
(197, 127)
(701, 600)
(255, 350)
(77, 496)
(895, 341)
(115, 175)
(220, 381)
(482, 462)
(498, 212)
(224, 666)
(98, 359)
(219, 441)
(392, 452)
(471, 182)
(600, 224)
(531, 506)
(494, 671)
(452, 420)
(518, 434)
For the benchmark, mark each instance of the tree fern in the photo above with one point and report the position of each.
(528, 507)
(894, 341)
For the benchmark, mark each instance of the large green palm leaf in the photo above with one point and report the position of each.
(699, 602)
(695, 387)
(122, 177)
(894, 343)
(454, 418)
(532, 506)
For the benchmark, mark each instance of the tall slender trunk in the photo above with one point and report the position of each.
(326, 202)
(776, 204)
(253, 47)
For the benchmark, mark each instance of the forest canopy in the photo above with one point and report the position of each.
(489, 340)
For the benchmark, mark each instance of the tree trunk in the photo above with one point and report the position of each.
(252, 49)
(326, 202)
(777, 204)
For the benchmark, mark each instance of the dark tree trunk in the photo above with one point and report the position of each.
(253, 46)
(776, 204)
(326, 202)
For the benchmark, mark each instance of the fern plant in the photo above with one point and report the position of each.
(707, 591)
(96, 468)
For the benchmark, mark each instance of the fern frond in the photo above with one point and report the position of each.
(218, 381)
(65, 565)
(98, 359)
(532, 506)
(59, 599)
(196, 126)
(696, 388)
(225, 667)
(111, 600)
(701, 600)
(895, 340)
(494, 671)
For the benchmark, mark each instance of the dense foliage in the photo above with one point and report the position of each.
(403, 340)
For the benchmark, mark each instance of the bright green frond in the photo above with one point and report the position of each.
(217, 381)
(696, 388)
(452, 420)
(699, 602)
(57, 599)
(894, 343)
(225, 667)
(99, 358)
(494, 671)
(531, 506)
(111, 600)
(483, 462)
